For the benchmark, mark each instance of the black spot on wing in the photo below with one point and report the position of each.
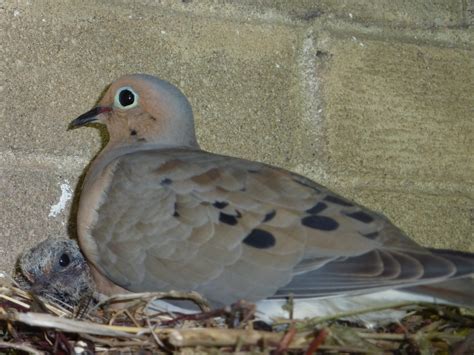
(166, 182)
(269, 216)
(260, 239)
(361, 216)
(227, 219)
(320, 222)
(133, 132)
(317, 208)
(338, 201)
(220, 204)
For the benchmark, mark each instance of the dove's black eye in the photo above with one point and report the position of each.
(125, 98)
(64, 260)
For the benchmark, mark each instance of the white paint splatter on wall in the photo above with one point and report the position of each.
(66, 194)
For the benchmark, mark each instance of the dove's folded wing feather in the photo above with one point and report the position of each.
(233, 229)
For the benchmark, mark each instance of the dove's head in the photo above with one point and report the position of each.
(142, 108)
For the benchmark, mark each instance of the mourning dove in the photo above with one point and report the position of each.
(157, 213)
(56, 269)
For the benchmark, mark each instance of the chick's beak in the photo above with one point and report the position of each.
(89, 116)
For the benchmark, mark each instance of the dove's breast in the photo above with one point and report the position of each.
(93, 195)
(111, 208)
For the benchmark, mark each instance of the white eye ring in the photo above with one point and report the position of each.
(126, 98)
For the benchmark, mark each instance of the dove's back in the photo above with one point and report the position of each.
(235, 229)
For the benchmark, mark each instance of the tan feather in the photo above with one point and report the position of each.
(157, 213)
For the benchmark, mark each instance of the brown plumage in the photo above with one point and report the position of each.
(158, 213)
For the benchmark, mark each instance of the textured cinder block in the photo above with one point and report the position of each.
(401, 110)
(434, 220)
(397, 121)
(237, 75)
(397, 13)
(35, 200)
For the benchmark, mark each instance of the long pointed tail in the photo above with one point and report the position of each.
(458, 290)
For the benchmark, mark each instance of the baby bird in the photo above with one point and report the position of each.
(57, 270)
(158, 213)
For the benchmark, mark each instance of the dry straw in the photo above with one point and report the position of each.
(33, 325)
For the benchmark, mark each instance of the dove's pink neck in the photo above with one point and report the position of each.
(142, 128)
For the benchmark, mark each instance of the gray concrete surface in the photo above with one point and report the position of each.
(373, 101)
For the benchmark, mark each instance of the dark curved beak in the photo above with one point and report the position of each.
(89, 116)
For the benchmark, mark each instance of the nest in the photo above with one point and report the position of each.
(36, 325)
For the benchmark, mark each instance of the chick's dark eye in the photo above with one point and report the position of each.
(64, 260)
(126, 97)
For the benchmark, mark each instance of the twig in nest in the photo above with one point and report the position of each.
(23, 347)
(67, 325)
(27, 296)
(317, 342)
(61, 342)
(113, 342)
(286, 341)
(15, 302)
(228, 337)
(195, 297)
(132, 318)
(155, 337)
(220, 312)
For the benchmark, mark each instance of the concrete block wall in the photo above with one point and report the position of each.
(372, 99)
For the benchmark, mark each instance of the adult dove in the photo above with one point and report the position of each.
(157, 213)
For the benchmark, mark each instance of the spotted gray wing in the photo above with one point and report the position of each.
(233, 229)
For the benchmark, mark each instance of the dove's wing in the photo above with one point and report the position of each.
(234, 229)
(379, 269)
